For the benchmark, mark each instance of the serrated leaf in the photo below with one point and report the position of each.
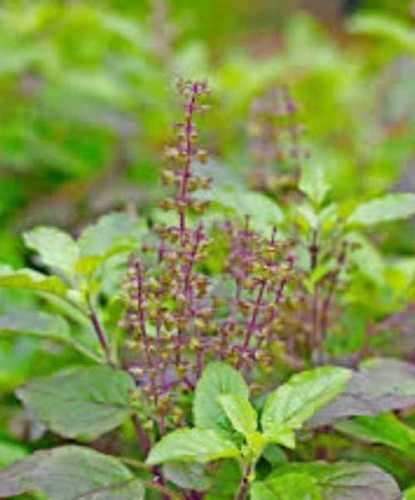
(390, 207)
(83, 402)
(192, 445)
(217, 379)
(71, 472)
(188, 475)
(384, 429)
(56, 248)
(287, 408)
(111, 230)
(314, 184)
(240, 412)
(34, 323)
(339, 481)
(380, 385)
(31, 280)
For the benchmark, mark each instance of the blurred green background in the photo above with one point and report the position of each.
(86, 90)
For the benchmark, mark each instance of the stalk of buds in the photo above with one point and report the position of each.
(176, 318)
(275, 141)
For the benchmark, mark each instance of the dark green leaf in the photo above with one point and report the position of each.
(83, 402)
(381, 385)
(71, 472)
(338, 481)
(385, 429)
(188, 475)
(34, 323)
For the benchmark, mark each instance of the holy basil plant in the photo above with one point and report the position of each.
(215, 349)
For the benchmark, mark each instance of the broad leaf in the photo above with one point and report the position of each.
(294, 486)
(71, 472)
(116, 229)
(338, 481)
(240, 412)
(384, 429)
(34, 323)
(188, 475)
(380, 385)
(192, 445)
(287, 408)
(31, 280)
(314, 184)
(83, 402)
(217, 379)
(57, 249)
(390, 207)
(10, 453)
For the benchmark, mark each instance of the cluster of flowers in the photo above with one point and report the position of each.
(179, 315)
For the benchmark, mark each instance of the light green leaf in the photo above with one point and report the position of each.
(192, 445)
(71, 472)
(384, 429)
(110, 232)
(338, 481)
(10, 453)
(240, 412)
(34, 323)
(287, 408)
(83, 402)
(390, 207)
(57, 249)
(314, 184)
(395, 30)
(31, 280)
(409, 494)
(217, 379)
(188, 475)
(294, 486)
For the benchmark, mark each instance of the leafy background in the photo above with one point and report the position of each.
(86, 103)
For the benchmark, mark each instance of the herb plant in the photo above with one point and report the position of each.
(208, 332)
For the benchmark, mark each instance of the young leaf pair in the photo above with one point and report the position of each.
(228, 426)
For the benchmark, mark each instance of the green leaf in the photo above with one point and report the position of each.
(217, 379)
(57, 249)
(381, 385)
(294, 486)
(71, 472)
(287, 408)
(31, 280)
(338, 481)
(112, 230)
(34, 323)
(192, 445)
(83, 402)
(188, 475)
(409, 494)
(390, 207)
(10, 453)
(240, 412)
(314, 184)
(384, 429)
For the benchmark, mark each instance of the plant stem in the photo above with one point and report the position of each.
(143, 440)
(243, 485)
(101, 336)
